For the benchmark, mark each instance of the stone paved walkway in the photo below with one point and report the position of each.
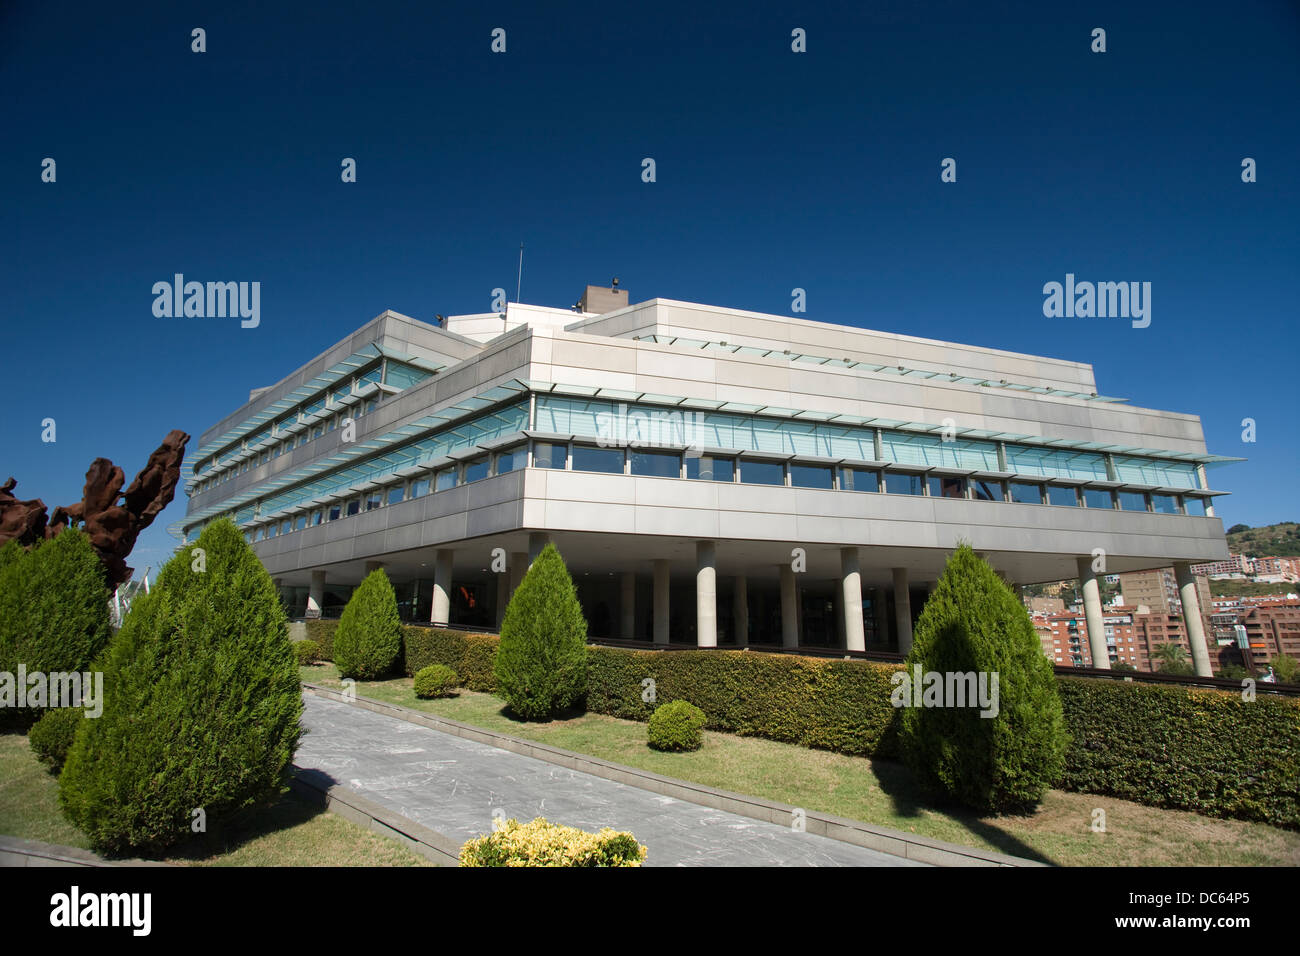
(453, 785)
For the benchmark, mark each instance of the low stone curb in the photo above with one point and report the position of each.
(337, 798)
(17, 852)
(894, 842)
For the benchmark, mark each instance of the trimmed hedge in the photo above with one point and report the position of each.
(471, 656)
(322, 632)
(1205, 751)
(541, 843)
(829, 704)
(436, 680)
(369, 636)
(308, 651)
(51, 737)
(1147, 743)
(676, 725)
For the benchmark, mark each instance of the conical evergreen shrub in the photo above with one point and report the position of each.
(541, 663)
(202, 704)
(53, 609)
(973, 622)
(369, 636)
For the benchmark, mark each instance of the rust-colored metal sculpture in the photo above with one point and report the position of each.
(112, 526)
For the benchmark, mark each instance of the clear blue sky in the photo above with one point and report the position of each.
(775, 170)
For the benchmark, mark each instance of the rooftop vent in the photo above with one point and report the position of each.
(599, 299)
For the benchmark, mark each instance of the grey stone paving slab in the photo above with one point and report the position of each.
(453, 785)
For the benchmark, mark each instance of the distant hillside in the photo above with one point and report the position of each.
(1271, 541)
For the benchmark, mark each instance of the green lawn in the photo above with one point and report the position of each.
(879, 792)
(290, 833)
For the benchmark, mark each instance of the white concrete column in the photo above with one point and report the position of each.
(441, 586)
(1091, 589)
(1192, 618)
(740, 610)
(706, 594)
(789, 608)
(503, 595)
(855, 637)
(316, 594)
(537, 541)
(627, 607)
(518, 568)
(902, 611)
(661, 601)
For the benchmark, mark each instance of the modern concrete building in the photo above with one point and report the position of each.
(711, 476)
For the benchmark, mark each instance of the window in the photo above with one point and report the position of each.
(1061, 495)
(336, 512)
(656, 464)
(419, 488)
(587, 458)
(373, 499)
(987, 491)
(859, 479)
(317, 517)
(476, 469)
(285, 526)
(942, 486)
(547, 454)
(810, 476)
(333, 423)
(1195, 505)
(272, 530)
(258, 533)
(709, 468)
(754, 472)
(354, 506)
(395, 494)
(445, 479)
(1098, 498)
(1133, 501)
(318, 431)
(1024, 493)
(368, 407)
(511, 460)
(299, 522)
(898, 483)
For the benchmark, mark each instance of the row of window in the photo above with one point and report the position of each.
(671, 464)
(388, 371)
(296, 441)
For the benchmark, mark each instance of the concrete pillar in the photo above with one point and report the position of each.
(902, 611)
(1192, 619)
(316, 594)
(740, 610)
(1092, 613)
(706, 594)
(518, 568)
(789, 608)
(503, 595)
(537, 541)
(855, 638)
(441, 587)
(661, 601)
(627, 607)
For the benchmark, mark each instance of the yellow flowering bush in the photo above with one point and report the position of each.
(541, 843)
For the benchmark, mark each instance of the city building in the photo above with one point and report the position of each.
(711, 476)
(1236, 566)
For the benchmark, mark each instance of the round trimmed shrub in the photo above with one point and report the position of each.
(541, 662)
(677, 725)
(973, 624)
(368, 639)
(308, 651)
(51, 737)
(542, 843)
(436, 680)
(201, 704)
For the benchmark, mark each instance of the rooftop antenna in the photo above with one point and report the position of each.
(519, 281)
